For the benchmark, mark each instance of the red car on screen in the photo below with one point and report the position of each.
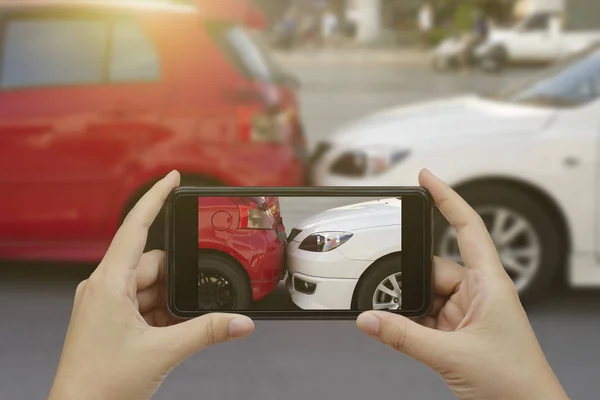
(99, 100)
(241, 245)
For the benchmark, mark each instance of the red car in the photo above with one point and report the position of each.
(241, 242)
(98, 100)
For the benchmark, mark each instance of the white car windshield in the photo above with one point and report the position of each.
(572, 84)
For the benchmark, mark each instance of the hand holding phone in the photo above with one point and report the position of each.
(486, 347)
(299, 253)
(122, 342)
(477, 336)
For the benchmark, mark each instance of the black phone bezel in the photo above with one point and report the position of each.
(343, 315)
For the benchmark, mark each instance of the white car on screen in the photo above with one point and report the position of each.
(348, 258)
(528, 160)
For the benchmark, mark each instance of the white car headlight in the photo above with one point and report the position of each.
(324, 241)
(365, 163)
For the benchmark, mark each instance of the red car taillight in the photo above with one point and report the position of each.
(255, 214)
(273, 204)
(271, 126)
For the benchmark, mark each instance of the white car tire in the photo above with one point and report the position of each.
(375, 275)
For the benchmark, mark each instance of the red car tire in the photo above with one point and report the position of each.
(222, 284)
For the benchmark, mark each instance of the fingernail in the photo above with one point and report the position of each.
(369, 324)
(240, 327)
(428, 172)
(171, 176)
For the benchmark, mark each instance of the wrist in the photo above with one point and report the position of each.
(74, 387)
(541, 383)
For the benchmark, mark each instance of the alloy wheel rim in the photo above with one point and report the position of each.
(388, 294)
(215, 292)
(516, 240)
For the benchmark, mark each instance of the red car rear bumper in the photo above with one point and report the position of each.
(271, 268)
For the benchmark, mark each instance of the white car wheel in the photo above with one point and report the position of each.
(388, 295)
(380, 287)
(515, 239)
(527, 232)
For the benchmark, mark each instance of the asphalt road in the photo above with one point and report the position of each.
(295, 360)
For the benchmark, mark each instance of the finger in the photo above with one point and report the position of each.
(409, 337)
(129, 242)
(150, 298)
(428, 322)
(438, 305)
(476, 246)
(448, 276)
(158, 317)
(151, 269)
(185, 339)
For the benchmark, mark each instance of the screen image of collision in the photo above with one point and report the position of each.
(324, 253)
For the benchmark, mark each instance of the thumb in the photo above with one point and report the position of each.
(187, 338)
(406, 336)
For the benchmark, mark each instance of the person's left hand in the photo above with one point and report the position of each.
(122, 342)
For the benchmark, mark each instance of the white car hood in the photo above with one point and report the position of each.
(371, 214)
(467, 115)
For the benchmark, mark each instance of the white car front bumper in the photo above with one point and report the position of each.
(323, 294)
(332, 276)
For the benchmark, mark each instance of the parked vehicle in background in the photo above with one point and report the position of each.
(99, 100)
(241, 243)
(348, 258)
(542, 38)
(449, 56)
(526, 160)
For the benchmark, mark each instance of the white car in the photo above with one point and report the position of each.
(539, 38)
(348, 258)
(527, 160)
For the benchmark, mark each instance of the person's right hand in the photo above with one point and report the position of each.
(477, 336)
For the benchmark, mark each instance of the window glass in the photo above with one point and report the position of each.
(251, 55)
(575, 84)
(538, 22)
(133, 58)
(53, 52)
(246, 51)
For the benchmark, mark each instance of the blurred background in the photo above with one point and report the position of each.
(99, 99)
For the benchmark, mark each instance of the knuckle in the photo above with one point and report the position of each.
(210, 332)
(399, 339)
(94, 280)
(155, 254)
(81, 287)
(97, 281)
(476, 220)
(510, 288)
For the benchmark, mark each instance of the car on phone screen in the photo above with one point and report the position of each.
(525, 159)
(99, 100)
(241, 246)
(348, 258)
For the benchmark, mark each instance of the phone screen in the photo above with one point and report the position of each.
(299, 254)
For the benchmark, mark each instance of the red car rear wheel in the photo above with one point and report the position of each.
(222, 285)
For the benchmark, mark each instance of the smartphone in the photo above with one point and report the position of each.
(299, 253)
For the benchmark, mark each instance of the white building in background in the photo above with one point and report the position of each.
(579, 14)
(367, 16)
(524, 8)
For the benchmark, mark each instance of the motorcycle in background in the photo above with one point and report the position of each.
(488, 56)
